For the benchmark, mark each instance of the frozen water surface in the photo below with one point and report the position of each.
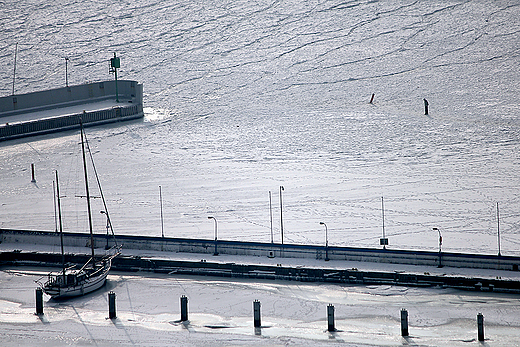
(243, 97)
(220, 314)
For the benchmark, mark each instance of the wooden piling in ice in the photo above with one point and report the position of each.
(256, 314)
(330, 318)
(480, 325)
(184, 308)
(33, 179)
(112, 305)
(39, 301)
(404, 322)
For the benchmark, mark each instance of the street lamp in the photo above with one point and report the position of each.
(162, 220)
(271, 216)
(281, 212)
(440, 246)
(498, 230)
(108, 227)
(383, 241)
(326, 242)
(210, 217)
(67, 72)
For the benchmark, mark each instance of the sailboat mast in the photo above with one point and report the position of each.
(87, 194)
(61, 228)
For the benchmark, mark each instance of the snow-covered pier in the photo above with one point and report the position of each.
(276, 269)
(244, 269)
(62, 108)
(270, 250)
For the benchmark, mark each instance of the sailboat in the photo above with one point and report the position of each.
(70, 282)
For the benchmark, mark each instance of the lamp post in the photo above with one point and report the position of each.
(440, 246)
(383, 241)
(326, 242)
(67, 72)
(271, 216)
(498, 230)
(14, 70)
(108, 227)
(162, 220)
(210, 217)
(281, 212)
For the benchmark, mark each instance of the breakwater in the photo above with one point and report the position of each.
(269, 272)
(271, 250)
(26, 114)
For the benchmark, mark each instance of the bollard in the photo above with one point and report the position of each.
(184, 308)
(330, 318)
(33, 180)
(425, 107)
(112, 305)
(256, 314)
(39, 301)
(480, 324)
(404, 322)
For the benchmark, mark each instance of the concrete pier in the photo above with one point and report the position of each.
(271, 250)
(13, 241)
(61, 109)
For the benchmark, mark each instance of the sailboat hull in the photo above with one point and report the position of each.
(77, 284)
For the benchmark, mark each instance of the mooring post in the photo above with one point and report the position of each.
(39, 301)
(330, 318)
(32, 174)
(404, 322)
(256, 314)
(112, 305)
(184, 308)
(425, 107)
(480, 324)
